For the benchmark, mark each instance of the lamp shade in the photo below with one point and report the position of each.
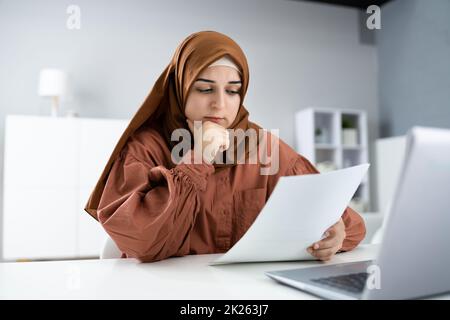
(52, 82)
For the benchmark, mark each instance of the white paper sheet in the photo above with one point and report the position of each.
(298, 212)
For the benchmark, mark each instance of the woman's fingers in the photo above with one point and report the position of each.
(218, 135)
(327, 247)
(215, 138)
(330, 242)
(334, 229)
(334, 236)
(323, 254)
(226, 143)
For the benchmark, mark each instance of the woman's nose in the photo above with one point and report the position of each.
(219, 101)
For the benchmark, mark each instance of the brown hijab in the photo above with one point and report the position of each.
(164, 106)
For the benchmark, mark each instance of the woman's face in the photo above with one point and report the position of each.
(215, 96)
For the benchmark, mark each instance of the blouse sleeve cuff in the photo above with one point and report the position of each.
(196, 172)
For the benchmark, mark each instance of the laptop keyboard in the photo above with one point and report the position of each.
(354, 282)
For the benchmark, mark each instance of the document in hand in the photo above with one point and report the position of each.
(296, 215)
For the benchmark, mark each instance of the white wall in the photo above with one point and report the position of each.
(300, 54)
(414, 73)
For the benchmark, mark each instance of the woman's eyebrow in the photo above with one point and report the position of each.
(211, 81)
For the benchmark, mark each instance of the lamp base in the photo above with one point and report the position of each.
(55, 106)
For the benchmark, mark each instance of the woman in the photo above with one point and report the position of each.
(154, 206)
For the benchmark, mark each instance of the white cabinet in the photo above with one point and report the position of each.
(51, 166)
(333, 139)
(39, 222)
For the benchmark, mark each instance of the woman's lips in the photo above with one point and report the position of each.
(213, 119)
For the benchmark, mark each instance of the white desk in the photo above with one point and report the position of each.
(187, 277)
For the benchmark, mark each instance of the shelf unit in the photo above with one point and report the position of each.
(321, 138)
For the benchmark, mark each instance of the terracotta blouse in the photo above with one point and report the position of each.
(154, 209)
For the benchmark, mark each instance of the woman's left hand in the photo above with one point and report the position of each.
(332, 243)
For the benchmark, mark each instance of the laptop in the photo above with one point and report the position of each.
(414, 257)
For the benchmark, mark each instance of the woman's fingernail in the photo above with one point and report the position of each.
(316, 246)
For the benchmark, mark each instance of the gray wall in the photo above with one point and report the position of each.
(414, 62)
(300, 54)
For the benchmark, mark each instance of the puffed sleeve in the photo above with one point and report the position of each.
(355, 228)
(149, 210)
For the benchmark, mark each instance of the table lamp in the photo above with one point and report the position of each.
(53, 83)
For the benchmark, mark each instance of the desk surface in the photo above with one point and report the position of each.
(187, 277)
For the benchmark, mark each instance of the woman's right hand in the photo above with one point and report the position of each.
(214, 139)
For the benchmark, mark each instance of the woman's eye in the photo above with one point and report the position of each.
(204, 90)
(209, 90)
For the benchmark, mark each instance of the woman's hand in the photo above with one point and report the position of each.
(332, 243)
(215, 138)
